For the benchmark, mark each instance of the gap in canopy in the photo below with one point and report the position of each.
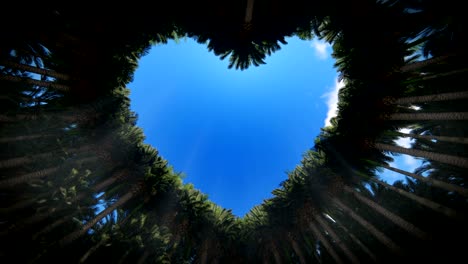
(234, 134)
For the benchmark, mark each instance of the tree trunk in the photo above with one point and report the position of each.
(50, 227)
(36, 217)
(335, 237)
(430, 181)
(420, 200)
(26, 177)
(143, 257)
(432, 98)
(56, 86)
(37, 174)
(249, 11)
(429, 116)
(326, 244)
(93, 249)
(124, 257)
(70, 216)
(21, 138)
(275, 253)
(118, 176)
(19, 205)
(444, 74)
(458, 140)
(297, 249)
(124, 199)
(358, 242)
(204, 253)
(421, 64)
(16, 162)
(41, 71)
(405, 225)
(80, 117)
(444, 158)
(372, 229)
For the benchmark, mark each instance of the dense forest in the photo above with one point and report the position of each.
(78, 184)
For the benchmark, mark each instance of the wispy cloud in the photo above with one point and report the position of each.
(332, 101)
(322, 49)
(415, 107)
(406, 142)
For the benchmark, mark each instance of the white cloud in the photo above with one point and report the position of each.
(415, 107)
(322, 49)
(406, 142)
(332, 101)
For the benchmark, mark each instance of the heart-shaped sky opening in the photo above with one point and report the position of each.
(234, 134)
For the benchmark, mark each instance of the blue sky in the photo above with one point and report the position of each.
(233, 133)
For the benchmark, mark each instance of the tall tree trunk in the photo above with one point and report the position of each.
(118, 176)
(249, 11)
(274, 250)
(19, 205)
(432, 98)
(430, 181)
(52, 226)
(420, 200)
(180, 230)
(204, 252)
(37, 174)
(41, 216)
(326, 244)
(35, 218)
(93, 249)
(56, 86)
(19, 161)
(371, 228)
(358, 242)
(444, 158)
(22, 138)
(41, 71)
(443, 74)
(124, 257)
(297, 249)
(80, 117)
(27, 177)
(405, 225)
(124, 199)
(70, 216)
(337, 239)
(429, 116)
(421, 64)
(459, 140)
(143, 257)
